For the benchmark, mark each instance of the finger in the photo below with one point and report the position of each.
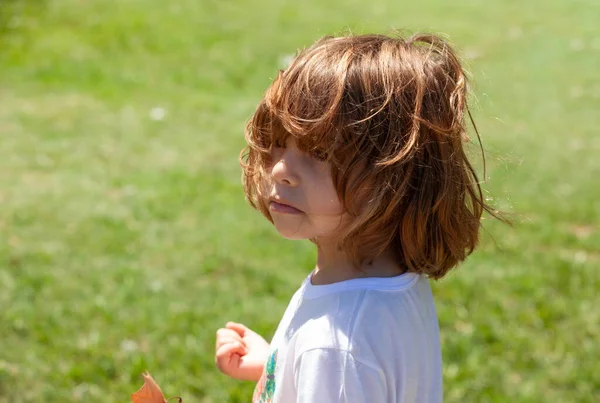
(225, 333)
(224, 357)
(237, 327)
(229, 340)
(227, 349)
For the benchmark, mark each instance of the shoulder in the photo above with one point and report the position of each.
(327, 322)
(362, 319)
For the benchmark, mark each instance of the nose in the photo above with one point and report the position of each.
(283, 171)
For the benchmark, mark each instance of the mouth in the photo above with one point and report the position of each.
(279, 206)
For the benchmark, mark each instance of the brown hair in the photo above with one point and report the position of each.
(390, 115)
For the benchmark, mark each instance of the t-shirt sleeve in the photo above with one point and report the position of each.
(329, 375)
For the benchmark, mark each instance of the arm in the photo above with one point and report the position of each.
(329, 375)
(240, 352)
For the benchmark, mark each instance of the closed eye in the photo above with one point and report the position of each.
(320, 154)
(278, 143)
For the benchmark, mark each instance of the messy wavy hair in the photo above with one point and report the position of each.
(389, 114)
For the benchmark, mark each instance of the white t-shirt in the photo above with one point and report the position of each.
(361, 340)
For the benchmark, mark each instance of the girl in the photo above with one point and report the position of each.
(358, 147)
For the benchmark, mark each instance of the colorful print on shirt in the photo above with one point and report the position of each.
(265, 388)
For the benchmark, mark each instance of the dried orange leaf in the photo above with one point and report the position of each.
(149, 392)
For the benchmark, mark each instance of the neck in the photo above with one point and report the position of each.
(334, 265)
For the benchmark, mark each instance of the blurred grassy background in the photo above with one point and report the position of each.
(125, 241)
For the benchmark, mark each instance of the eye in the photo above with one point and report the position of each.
(320, 154)
(278, 143)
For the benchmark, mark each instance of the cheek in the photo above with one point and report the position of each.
(327, 209)
(332, 205)
(331, 225)
(325, 195)
(331, 200)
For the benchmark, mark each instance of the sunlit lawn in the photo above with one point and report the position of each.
(125, 240)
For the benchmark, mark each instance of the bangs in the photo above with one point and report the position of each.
(304, 101)
(270, 130)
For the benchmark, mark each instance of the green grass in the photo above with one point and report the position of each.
(125, 242)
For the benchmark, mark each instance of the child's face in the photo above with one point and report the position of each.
(302, 198)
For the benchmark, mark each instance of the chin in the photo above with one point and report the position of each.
(291, 233)
(293, 236)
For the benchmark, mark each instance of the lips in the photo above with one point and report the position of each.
(281, 206)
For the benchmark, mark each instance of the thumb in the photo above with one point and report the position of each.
(234, 360)
(228, 356)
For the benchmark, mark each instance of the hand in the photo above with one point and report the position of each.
(240, 352)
